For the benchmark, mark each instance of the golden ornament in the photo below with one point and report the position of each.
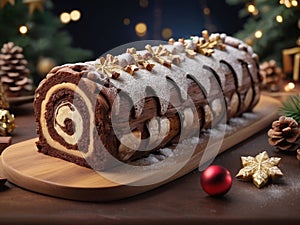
(259, 169)
(44, 65)
(7, 122)
(4, 2)
(34, 5)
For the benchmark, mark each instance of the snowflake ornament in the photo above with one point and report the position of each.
(259, 169)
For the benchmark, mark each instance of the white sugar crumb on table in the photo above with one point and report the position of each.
(217, 133)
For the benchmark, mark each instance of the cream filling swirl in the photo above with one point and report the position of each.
(64, 111)
(55, 144)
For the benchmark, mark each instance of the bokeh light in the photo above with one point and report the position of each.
(141, 29)
(258, 34)
(23, 29)
(251, 8)
(144, 3)
(126, 21)
(166, 33)
(75, 15)
(65, 17)
(206, 11)
(279, 18)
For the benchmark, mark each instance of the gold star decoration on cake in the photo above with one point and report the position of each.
(163, 56)
(109, 66)
(259, 169)
(145, 64)
(34, 5)
(131, 69)
(213, 40)
(4, 2)
(204, 45)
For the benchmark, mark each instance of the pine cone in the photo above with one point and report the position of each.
(271, 75)
(14, 73)
(4, 104)
(285, 134)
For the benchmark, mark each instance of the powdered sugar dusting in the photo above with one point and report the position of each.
(166, 151)
(173, 153)
(193, 67)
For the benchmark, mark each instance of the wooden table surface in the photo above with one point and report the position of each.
(179, 202)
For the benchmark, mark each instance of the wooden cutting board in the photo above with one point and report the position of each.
(25, 167)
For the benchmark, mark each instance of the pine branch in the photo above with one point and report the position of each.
(45, 37)
(276, 36)
(291, 108)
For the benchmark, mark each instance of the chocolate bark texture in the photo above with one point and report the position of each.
(128, 106)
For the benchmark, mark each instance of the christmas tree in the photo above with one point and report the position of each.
(31, 25)
(271, 26)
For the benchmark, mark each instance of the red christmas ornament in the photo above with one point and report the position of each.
(216, 180)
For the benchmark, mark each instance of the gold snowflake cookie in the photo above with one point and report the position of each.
(259, 169)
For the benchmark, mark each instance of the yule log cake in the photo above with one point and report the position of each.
(130, 105)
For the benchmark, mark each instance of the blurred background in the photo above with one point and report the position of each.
(104, 25)
(54, 32)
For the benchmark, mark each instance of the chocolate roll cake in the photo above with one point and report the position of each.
(128, 106)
